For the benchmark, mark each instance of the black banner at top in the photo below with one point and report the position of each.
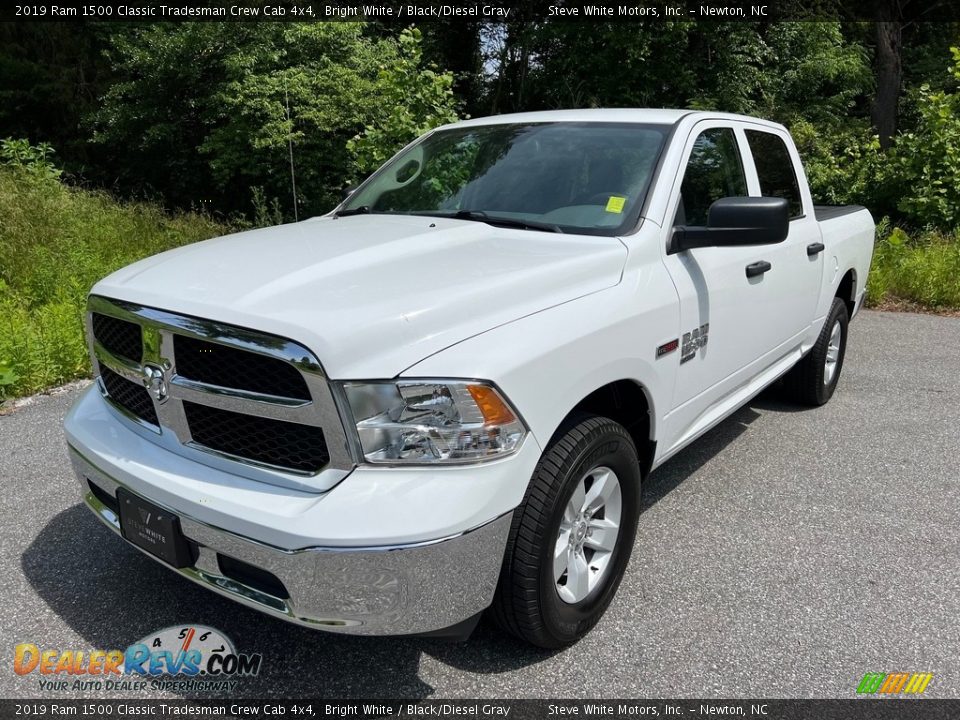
(423, 11)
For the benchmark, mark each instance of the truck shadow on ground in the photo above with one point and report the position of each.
(688, 461)
(112, 595)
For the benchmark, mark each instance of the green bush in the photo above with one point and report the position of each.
(916, 180)
(36, 160)
(926, 160)
(924, 269)
(846, 166)
(55, 243)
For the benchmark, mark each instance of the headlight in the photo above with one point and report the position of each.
(433, 421)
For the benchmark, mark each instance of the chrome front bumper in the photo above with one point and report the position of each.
(385, 590)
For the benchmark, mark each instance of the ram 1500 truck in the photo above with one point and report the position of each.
(442, 397)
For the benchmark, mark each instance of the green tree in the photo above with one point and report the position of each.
(813, 72)
(926, 160)
(412, 99)
(51, 75)
(310, 85)
(207, 111)
(782, 71)
(155, 116)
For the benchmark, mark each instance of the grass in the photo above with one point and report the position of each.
(921, 271)
(55, 243)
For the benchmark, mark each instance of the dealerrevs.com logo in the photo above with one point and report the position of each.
(193, 657)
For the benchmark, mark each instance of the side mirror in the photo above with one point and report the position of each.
(737, 221)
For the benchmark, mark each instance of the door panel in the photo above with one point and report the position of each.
(796, 291)
(746, 310)
(717, 299)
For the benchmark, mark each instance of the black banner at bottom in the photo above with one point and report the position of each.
(853, 709)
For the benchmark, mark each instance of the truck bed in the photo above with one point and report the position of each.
(829, 212)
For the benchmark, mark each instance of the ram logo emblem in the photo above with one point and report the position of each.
(155, 382)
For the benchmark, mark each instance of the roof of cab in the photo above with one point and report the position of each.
(658, 116)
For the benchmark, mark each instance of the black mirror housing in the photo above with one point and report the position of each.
(737, 221)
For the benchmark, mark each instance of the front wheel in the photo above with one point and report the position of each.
(813, 379)
(572, 535)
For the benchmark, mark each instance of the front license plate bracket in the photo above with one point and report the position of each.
(155, 530)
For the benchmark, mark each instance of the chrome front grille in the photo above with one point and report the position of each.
(256, 404)
(120, 337)
(274, 442)
(222, 365)
(129, 395)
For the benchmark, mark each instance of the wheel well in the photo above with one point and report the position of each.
(625, 402)
(847, 290)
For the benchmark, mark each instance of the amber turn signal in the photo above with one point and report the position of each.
(495, 410)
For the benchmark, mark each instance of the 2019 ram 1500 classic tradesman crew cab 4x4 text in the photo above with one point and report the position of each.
(442, 397)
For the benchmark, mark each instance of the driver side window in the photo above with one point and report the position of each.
(713, 171)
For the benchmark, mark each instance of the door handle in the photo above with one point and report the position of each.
(758, 268)
(815, 249)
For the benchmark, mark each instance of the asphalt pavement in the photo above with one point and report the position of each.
(784, 554)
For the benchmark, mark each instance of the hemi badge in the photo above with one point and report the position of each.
(668, 347)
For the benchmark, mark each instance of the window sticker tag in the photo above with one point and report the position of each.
(615, 204)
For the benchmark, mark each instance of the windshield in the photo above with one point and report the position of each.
(572, 177)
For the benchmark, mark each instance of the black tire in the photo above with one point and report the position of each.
(805, 383)
(527, 602)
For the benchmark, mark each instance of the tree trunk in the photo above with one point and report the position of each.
(889, 76)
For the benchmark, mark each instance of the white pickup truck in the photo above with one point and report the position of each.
(443, 396)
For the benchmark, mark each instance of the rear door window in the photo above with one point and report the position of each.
(775, 169)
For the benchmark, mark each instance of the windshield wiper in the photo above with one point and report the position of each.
(359, 210)
(481, 216)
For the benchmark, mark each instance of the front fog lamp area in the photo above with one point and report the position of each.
(432, 421)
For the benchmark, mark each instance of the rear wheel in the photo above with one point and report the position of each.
(813, 379)
(571, 536)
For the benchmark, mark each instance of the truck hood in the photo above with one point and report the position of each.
(372, 294)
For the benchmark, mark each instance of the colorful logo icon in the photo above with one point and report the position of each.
(894, 683)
